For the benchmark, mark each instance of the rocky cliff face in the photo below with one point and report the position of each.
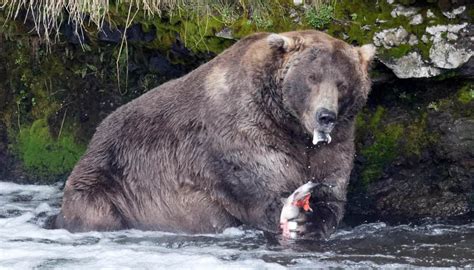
(415, 152)
(414, 139)
(449, 45)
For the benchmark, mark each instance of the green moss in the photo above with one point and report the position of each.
(44, 155)
(384, 147)
(459, 104)
(358, 21)
(424, 49)
(417, 138)
(376, 118)
(389, 140)
(466, 93)
(352, 16)
(197, 26)
(396, 52)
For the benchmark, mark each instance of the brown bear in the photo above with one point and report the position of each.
(222, 145)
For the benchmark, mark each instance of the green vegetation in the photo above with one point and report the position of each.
(381, 152)
(466, 93)
(417, 137)
(383, 135)
(389, 138)
(196, 22)
(44, 155)
(319, 16)
(43, 93)
(358, 21)
(396, 52)
(384, 147)
(460, 104)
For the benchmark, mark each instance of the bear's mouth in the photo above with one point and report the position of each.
(320, 136)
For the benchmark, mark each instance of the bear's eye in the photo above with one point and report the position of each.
(342, 87)
(312, 78)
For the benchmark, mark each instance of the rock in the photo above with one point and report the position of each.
(424, 38)
(410, 198)
(448, 55)
(161, 65)
(73, 33)
(452, 47)
(225, 33)
(3, 150)
(437, 30)
(457, 137)
(390, 1)
(453, 13)
(430, 14)
(451, 36)
(109, 34)
(416, 20)
(400, 10)
(467, 70)
(411, 66)
(391, 37)
(413, 40)
(445, 55)
(135, 33)
(294, 16)
(436, 182)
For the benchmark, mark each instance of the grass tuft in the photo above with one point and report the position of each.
(320, 14)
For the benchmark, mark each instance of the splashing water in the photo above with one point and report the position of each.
(25, 244)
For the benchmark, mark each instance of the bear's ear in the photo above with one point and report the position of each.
(366, 54)
(280, 42)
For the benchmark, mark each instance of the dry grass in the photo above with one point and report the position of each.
(48, 15)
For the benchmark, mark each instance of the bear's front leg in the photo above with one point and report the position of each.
(331, 166)
(252, 198)
(255, 206)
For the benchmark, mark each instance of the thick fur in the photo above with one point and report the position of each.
(222, 145)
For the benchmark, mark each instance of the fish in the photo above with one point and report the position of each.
(321, 137)
(292, 206)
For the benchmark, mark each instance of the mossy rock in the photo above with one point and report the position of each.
(45, 156)
(384, 147)
(466, 94)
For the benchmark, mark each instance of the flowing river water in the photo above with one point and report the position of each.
(25, 244)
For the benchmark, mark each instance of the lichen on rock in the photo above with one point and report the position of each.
(411, 66)
(446, 54)
(392, 37)
(445, 46)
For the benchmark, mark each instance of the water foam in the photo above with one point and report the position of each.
(25, 244)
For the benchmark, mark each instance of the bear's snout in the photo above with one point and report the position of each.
(326, 119)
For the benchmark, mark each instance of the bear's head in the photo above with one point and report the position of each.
(322, 80)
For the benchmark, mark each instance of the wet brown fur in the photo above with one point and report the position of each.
(220, 146)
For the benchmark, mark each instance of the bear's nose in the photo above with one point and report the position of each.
(326, 117)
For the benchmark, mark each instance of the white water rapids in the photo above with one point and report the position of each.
(25, 244)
